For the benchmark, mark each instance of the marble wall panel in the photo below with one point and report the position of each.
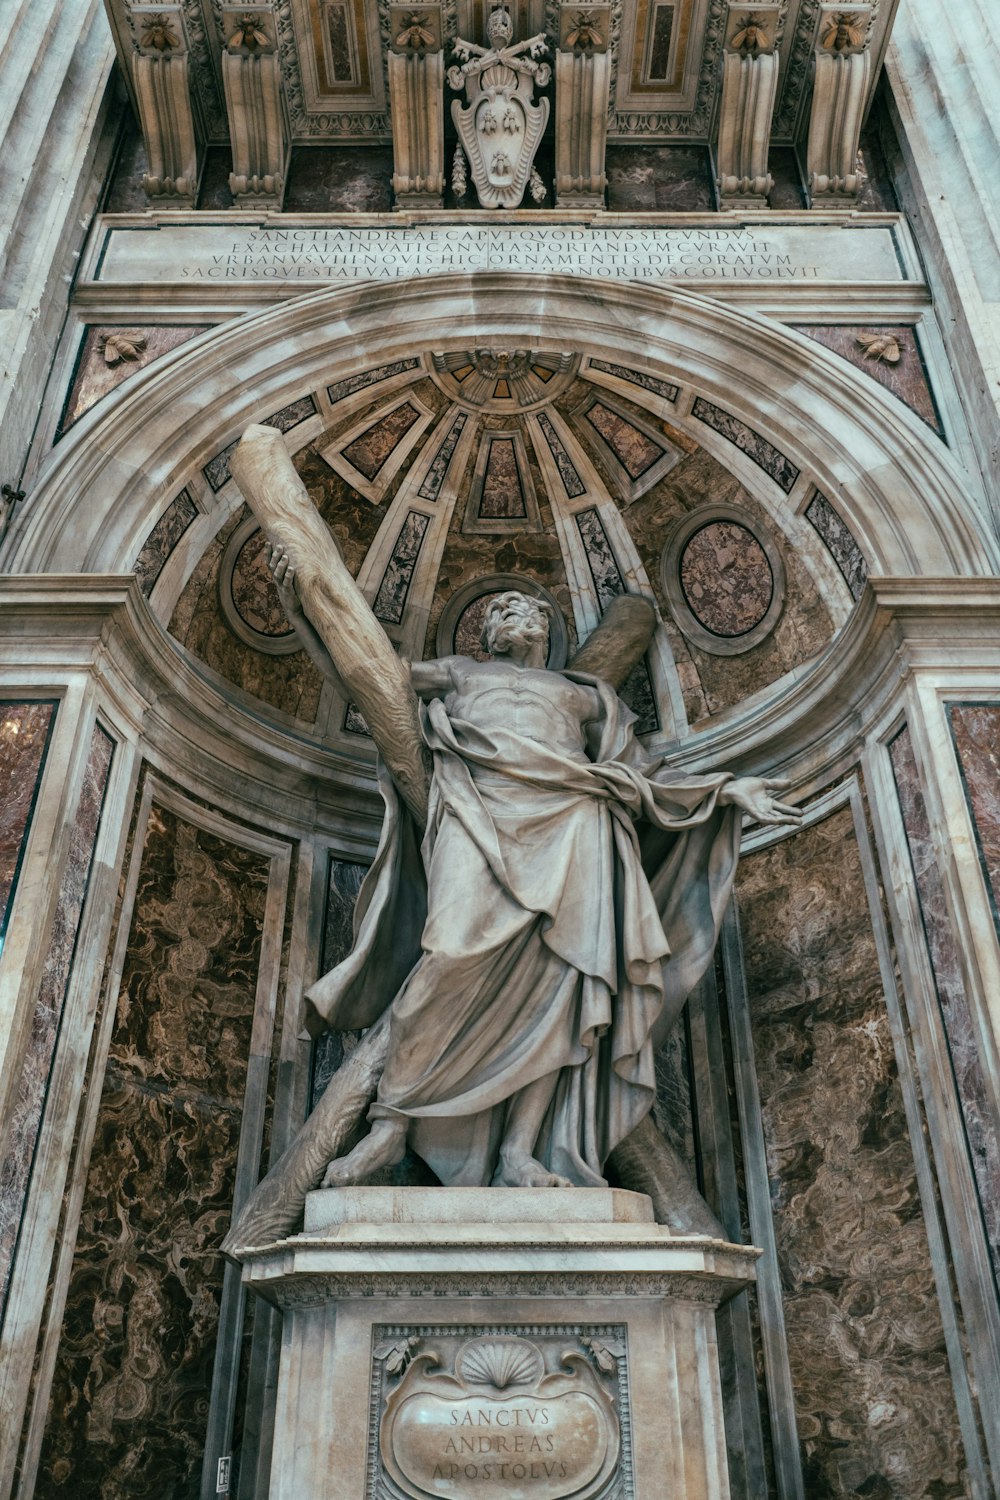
(367, 378)
(430, 489)
(651, 179)
(726, 578)
(330, 1049)
(369, 452)
(638, 378)
(839, 542)
(136, 346)
(129, 1404)
(975, 729)
(634, 450)
(977, 1113)
(906, 378)
(289, 683)
(216, 471)
(502, 495)
(873, 1398)
(22, 1137)
(24, 740)
(572, 483)
(764, 454)
(711, 683)
(390, 601)
(162, 540)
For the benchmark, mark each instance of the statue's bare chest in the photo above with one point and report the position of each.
(538, 705)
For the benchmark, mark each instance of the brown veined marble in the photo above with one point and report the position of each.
(24, 738)
(726, 578)
(711, 683)
(94, 377)
(906, 377)
(15, 1169)
(289, 683)
(129, 1404)
(977, 1114)
(873, 1397)
(975, 728)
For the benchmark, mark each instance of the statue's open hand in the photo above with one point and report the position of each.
(754, 795)
(283, 572)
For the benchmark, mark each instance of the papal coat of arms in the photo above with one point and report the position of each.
(501, 124)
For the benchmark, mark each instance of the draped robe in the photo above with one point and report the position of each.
(553, 921)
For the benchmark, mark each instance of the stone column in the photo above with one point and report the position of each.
(416, 100)
(583, 82)
(255, 105)
(749, 88)
(175, 146)
(840, 93)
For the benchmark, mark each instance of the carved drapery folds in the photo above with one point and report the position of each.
(416, 101)
(583, 82)
(749, 89)
(841, 88)
(255, 104)
(174, 139)
(501, 125)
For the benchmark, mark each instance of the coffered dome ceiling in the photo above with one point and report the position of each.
(446, 477)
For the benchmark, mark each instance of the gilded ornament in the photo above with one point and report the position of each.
(881, 346)
(844, 29)
(160, 33)
(586, 34)
(249, 35)
(414, 33)
(118, 348)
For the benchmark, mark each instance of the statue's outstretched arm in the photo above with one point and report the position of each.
(373, 675)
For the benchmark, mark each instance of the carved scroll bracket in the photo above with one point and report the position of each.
(749, 89)
(843, 65)
(255, 104)
(583, 84)
(172, 132)
(416, 100)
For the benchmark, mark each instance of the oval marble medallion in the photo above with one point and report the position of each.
(726, 578)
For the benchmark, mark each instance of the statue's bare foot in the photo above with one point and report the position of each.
(382, 1147)
(518, 1169)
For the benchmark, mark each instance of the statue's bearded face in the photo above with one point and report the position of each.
(514, 619)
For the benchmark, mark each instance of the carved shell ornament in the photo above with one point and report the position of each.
(499, 1362)
(159, 33)
(845, 29)
(881, 346)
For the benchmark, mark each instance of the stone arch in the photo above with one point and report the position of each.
(893, 482)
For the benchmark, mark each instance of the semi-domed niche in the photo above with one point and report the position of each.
(451, 474)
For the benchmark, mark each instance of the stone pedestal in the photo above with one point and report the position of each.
(488, 1343)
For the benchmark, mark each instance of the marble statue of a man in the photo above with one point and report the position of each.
(564, 900)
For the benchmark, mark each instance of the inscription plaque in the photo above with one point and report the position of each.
(506, 1414)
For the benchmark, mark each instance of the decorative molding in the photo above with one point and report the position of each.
(749, 89)
(636, 452)
(371, 452)
(839, 542)
(173, 137)
(842, 76)
(502, 494)
(255, 104)
(583, 87)
(416, 100)
(764, 454)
